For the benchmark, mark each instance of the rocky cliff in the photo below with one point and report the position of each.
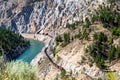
(25, 17)
(19, 15)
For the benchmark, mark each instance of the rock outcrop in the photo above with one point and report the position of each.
(19, 15)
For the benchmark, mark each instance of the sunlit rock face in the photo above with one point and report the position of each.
(19, 15)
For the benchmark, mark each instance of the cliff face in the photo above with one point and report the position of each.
(19, 15)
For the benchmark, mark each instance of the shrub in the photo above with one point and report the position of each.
(113, 53)
(66, 38)
(111, 1)
(18, 70)
(115, 31)
(63, 73)
(58, 38)
(100, 37)
(79, 35)
(71, 26)
(95, 18)
(85, 34)
(88, 23)
(102, 50)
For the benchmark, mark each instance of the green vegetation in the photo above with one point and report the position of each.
(63, 73)
(36, 0)
(111, 76)
(111, 1)
(71, 26)
(109, 17)
(87, 23)
(116, 31)
(101, 50)
(66, 76)
(98, 49)
(83, 35)
(17, 70)
(95, 18)
(74, 25)
(65, 40)
(9, 41)
(59, 38)
(79, 35)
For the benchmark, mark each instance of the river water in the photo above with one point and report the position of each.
(35, 48)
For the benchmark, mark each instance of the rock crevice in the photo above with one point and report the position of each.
(46, 13)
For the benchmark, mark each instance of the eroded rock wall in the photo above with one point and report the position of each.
(19, 15)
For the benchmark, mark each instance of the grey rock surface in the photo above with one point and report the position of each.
(19, 15)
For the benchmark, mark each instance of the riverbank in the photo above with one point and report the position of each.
(45, 39)
(15, 53)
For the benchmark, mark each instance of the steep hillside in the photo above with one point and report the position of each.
(85, 41)
(20, 15)
(87, 50)
(11, 44)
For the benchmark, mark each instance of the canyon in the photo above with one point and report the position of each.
(22, 15)
(49, 18)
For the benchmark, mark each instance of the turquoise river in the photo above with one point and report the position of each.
(35, 48)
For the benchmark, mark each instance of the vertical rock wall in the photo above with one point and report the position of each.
(19, 15)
